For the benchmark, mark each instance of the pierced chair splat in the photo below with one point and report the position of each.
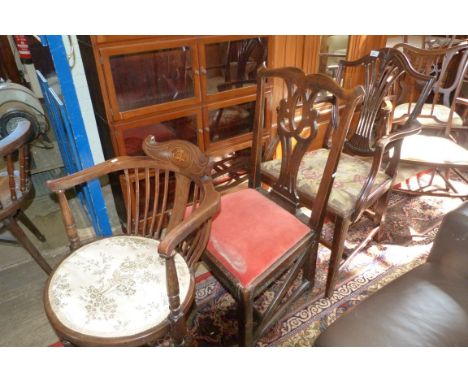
(257, 243)
(135, 288)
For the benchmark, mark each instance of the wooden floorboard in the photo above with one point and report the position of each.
(22, 318)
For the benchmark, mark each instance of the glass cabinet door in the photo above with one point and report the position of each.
(130, 136)
(228, 66)
(228, 121)
(332, 49)
(150, 77)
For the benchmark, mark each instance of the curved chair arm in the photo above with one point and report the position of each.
(462, 101)
(384, 141)
(206, 210)
(101, 169)
(16, 139)
(382, 146)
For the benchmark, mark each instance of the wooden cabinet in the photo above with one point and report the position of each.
(198, 88)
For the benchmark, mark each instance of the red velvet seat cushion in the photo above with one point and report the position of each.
(250, 233)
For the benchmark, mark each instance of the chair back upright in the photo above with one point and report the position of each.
(15, 183)
(385, 73)
(296, 129)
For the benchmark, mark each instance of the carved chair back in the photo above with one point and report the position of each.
(15, 182)
(297, 128)
(448, 66)
(445, 64)
(385, 73)
(161, 190)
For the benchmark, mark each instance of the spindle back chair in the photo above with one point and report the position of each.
(16, 189)
(170, 200)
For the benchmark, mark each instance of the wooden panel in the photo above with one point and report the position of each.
(359, 46)
(311, 54)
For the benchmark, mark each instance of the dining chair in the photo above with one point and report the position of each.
(257, 245)
(440, 148)
(135, 288)
(16, 189)
(364, 178)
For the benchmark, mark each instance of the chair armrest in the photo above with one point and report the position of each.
(462, 101)
(202, 214)
(96, 171)
(384, 141)
(16, 139)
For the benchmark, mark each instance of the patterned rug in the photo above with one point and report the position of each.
(411, 226)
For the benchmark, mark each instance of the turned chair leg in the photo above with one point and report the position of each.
(19, 234)
(380, 215)
(310, 265)
(179, 333)
(339, 236)
(30, 225)
(245, 318)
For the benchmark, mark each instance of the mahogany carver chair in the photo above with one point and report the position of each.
(362, 180)
(440, 147)
(118, 291)
(16, 189)
(257, 244)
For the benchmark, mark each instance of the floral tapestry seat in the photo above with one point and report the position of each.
(351, 175)
(114, 287)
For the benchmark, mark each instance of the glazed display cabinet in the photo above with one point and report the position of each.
(196, 88)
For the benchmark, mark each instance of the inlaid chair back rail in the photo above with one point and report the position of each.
(169, 195)
(297, 126)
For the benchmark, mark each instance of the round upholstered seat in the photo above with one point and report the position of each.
(114, 287)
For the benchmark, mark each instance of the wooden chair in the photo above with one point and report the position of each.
(16, 188)
(256, 242)
(117, 290)
(361, 181)
(439, 147)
